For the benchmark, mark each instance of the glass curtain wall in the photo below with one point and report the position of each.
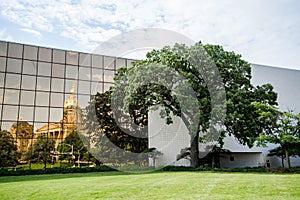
(41, 88)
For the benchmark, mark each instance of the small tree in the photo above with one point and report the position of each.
(41, 150)
(79, 150)
(282, 129)
(8, 150)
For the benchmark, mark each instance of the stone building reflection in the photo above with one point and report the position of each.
(71, 117)
(22, 131)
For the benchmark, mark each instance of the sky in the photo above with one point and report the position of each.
(264, 32)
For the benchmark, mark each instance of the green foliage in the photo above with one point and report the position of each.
(282, 128)
(41, 150)
(56, 170)
(241, 114)
(108, 137)
(8, 150)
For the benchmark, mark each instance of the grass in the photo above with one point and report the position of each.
(158, 185)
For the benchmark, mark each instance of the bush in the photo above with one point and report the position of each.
(56, 170)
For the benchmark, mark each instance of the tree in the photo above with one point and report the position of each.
(74, 142)
(294, 150)
(8, 150)
(235, 73)
(41, 150)
(283, 128)
(110, 142)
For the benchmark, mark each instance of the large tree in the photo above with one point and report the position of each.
(138, 96)
(110, 143)
(8, 150)
(283, 128)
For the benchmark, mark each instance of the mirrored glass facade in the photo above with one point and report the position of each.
(43, 89)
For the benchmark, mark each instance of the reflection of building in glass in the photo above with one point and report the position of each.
(71, 117)
(22, 133)
(35, 84)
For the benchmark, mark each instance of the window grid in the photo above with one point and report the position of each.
(31, 70)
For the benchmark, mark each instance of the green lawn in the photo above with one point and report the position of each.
(160, 185)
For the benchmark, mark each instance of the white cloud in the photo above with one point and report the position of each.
(35, 33)
(5, 36)
(263, 31)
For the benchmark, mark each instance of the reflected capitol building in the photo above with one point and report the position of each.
(56, 131)
(44, 91)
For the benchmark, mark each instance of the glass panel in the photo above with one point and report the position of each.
(28, 82)
(43, 83)
(96, 87)
(85, 60)
(58, 56)
(45, 54)
(72, 58)
(3, 48)
(40, 126)
(109, 62)
(2, 79)
(27, 97)
(69, 85)
(84, 87)
(26, 113)
(84, 73)
(107, 86)
(71, 72)
(14, 65)
(44, 69)
(7, 125)
(83, 100)
(13, 81)
(109, 76)
(30, 52)
(41, 114)
(1, 97)
(42, 98)
(56, 114)
(57, 100)
(2, 64)
(11, 97)
(129, 62)
(120, 62)
(58, 70)
(57, 85)
(97, 74)
(15, 50)
(10, 112)
(29, 67)
(97, 61)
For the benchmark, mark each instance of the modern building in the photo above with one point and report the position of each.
(170, 139)
(44, 90)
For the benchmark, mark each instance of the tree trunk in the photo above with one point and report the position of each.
(195, 160)
(45, 165)
(287, 158)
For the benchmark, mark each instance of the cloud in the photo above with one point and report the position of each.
(263, 31)
(5, 36)
(35, 33)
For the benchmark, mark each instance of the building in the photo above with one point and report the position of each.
(170, 139)
(22, 133)
(44, 90)
(41, 89)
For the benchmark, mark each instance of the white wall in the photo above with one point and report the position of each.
(170, 139)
